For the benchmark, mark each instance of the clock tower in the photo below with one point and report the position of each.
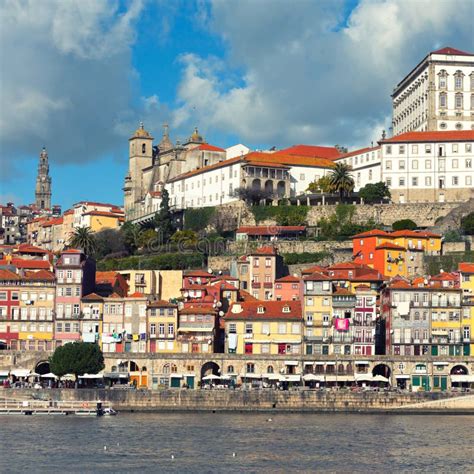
(43, 183)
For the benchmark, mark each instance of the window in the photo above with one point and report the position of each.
(388, 181)
(414, 181)
(281, 328)
(455, 180)
(388, 165)
(428, 181)
(427, 148)
(458, 101)
(468, 165)
(428, 164)
(250, 368)
(442, 80)
(414, 149)
(161, 329)
(414, 164)
(389, 149)
(455, 147)
(401, 181)
(153, 329)
(458, 79)
(468, 180)
(401, 149)
(268, 262)
(401, 164)
(171, 329)
(260, 310)
(472, 101)
(443, 100)
(248, 328)
(232, 328)
(266, 329)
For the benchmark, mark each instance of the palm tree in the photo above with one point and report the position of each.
(84, 239)
(341, 179)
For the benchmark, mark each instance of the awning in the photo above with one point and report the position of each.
(308, 363)
(440, 363)
(339, 378)
(330, 363)
(92, 376)
(364, 378)
(211, 377)
(462, 378)
(49, 375)
(20, 372)
(4, 373)
(177, 376)
(251, 376)
(362, 362)
(291, 362)
(116, 375)
(313, 378)
(292, 378)
(405, 377)
(319, 363)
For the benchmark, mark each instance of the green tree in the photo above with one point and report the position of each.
(84, 239)
(467, 224)
(131, 236)
(185, 237)
(110, 241)
(163, 220)
(374, 192)
(404, 224)
(321, 185)
(77, 358)
(147, 237)
(341, 180)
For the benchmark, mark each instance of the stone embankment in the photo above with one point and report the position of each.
(260, 400)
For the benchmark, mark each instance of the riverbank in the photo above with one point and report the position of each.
(260, 400)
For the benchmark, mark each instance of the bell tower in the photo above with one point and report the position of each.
(140, 157)
(43, 183)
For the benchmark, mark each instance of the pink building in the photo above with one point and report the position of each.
(288, 288)
(75, 278)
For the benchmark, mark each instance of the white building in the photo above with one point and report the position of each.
(365, 164)
(84, 211)
(429, 166)
(438, 94)
(236, 150)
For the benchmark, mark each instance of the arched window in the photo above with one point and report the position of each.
(270, 369)
(230, 369)
(340, 368)
(250, 368)
(144, 368)
(134, 366)
(166, 369)
(174, 368)
(144, 148)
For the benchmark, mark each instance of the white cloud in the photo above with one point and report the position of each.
(308, 79)
(65, 77)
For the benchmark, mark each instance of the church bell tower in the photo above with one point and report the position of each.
(43, 183)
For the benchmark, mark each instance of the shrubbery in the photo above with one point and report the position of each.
(282, 215)
(198, 219)
(165, 261)
(404, 224)
(304, 257)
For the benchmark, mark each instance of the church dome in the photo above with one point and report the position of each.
(140, 132)
(195, 137)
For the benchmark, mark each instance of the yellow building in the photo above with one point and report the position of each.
(264, 327)
(420, 240)
(141, 281)
(162, 325)
(467, 285)
(317, 313)
(36, 308)
(394, 258)
(92, 310)
(101, 220)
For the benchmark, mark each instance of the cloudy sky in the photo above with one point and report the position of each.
(78, 75)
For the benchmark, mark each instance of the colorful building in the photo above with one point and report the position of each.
(264, 327)
(466, 271)
(289, 288)
(162, 328)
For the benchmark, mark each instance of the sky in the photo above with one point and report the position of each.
(77, 76)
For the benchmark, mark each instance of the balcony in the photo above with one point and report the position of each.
(256, 285)
(268, 285)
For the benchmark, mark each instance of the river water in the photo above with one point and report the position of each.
(205, 442)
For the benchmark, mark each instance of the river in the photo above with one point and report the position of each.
(205, 442)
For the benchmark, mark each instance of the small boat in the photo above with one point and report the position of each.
(109, 411)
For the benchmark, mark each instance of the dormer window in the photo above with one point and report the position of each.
(286, 309)
(260, 310)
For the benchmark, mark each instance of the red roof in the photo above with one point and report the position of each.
(389, 246)
(72, 251)
(313, 269)
(137, 295)
(313, 151)
(207, 147)
(281, 159)
(246, 296)
(360, 151)
(269, 230)
(265, 250)
(466, 267)
(288, 279)
(413, 233)
(27, 248)
(342, 291)
(198, 273)
(8, 275)
(449, 50)
(271, 310)
(160, 304)
(92, 297)
(316, 276)
(198, 309)
(39, 275)
(104, 213)
(447, 136)
(23, 263)
(372, 233)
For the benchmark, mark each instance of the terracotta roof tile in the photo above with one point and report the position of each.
(389, 246)
(439, 136)
(453, 51)
(329, 152)
(271, 310)
(207, 147)
(466, 267)
(288, 279)
(8, 275)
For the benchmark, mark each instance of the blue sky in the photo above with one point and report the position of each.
(78, 76)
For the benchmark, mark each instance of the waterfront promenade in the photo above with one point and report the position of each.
(260, 400)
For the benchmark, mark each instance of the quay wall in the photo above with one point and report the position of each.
(257, 400)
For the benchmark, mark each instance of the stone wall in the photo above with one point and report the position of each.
(453, 247)
(425, 214)
(252, 400)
